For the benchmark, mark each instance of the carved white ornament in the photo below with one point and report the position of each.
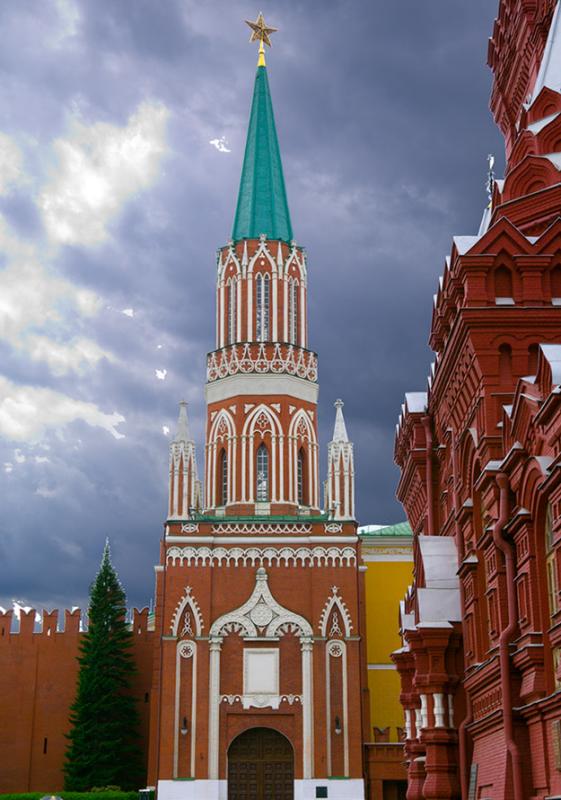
(335, 604)
(190, 527)
(241, 620)
(335, 649)
(334, 527)
(187, 629)
(258, 556)
(187, 649)
(261, 701)
(187, 605)
(265, 529)
(248, 358)
(335, 629)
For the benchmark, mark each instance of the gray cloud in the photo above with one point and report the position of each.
(382, 116)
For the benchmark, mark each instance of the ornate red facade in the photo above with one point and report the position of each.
(480, 463)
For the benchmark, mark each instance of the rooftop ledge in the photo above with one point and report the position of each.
(256, 519)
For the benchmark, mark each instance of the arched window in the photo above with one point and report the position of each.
(551, 564)
(223, 479)
(262, 487)
(263, 290)
(293, 311)
(301, 477)
(505, 363)
(503, 286)
(232, 305)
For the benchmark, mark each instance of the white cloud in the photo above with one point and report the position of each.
(35, 304)
(161, 374)
(19, 457)
(27, 412)
(99, 168)
(42, 460)
(69, 19)
(165, 430)
(44, 491)
(128, 312)
(220, 144)
(8, 466)
(11, 164)
(159, 346)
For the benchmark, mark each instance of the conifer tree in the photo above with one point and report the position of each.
(103, 749)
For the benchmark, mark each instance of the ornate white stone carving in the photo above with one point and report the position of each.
(240, 620)
(263, 529)
(335, 603)
(291, 699)
(187, 629)
(335, 629)
(260, 556)
(334, 527)
(335, 649)
(187, 603)
(186, 649)
(190, 527)
(257, 357)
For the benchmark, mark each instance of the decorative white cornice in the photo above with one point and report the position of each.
(335, 604)
(258, 556)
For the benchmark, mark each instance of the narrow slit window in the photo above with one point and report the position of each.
(293, 311)
(301, 470)
(262, 488)
(263, 291)
(223, 499)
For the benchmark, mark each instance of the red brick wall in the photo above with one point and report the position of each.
(37, 686)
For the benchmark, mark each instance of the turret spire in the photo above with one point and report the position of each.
(340, 429)
(183, 434)
(184, 484)
(262, 204)
(340, 484)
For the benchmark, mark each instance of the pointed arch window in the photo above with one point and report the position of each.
(263, 304)
(262, 487)
(293, 311)
(223, 479)
(232, 310)
(301, 473)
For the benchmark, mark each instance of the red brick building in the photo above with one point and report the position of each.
(480, 454)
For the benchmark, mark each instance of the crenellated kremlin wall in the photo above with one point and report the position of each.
(37, 687)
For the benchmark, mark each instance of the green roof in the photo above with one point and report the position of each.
(262, 204)
(400, 529)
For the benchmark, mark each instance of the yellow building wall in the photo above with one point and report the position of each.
(386, 583)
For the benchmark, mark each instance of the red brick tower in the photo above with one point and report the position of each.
(479, 454)
(258, 684)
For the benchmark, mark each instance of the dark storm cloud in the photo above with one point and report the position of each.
(381, 110)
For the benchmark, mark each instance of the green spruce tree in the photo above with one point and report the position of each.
(104, 738)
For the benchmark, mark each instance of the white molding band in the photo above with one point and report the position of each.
(258, 539)
(255, 384)
(256, 557)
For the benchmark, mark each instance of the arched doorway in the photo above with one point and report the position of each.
(260, 766)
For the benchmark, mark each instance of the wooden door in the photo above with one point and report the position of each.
(260, 766)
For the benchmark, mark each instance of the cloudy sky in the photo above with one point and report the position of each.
(122, 127)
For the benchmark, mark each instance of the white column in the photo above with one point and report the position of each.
(244, 478)
(424, 711)
(281, 469)
(251, 456)
(234, 492)
(230, 489)
(302, 338)
(275, 306)
(285, 308)
(408, 728)
(239, 306)
(250, 307)
(418, 722)
(221, 314)
(274, 469)
(307, 708)
(438, 699)
(214, 707)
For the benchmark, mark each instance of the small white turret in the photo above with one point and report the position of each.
(184, 485)
(340, 484)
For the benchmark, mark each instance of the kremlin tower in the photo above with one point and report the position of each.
(258, 687)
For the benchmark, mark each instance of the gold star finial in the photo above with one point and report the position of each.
(260, 32)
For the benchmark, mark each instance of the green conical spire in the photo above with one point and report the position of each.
(262, 204)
